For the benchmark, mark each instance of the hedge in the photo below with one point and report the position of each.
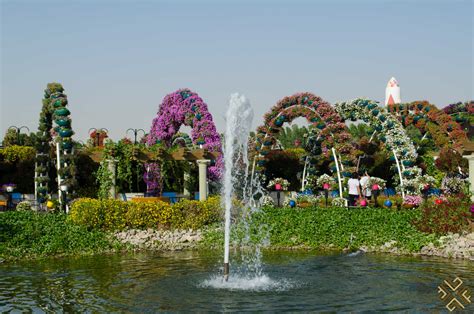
(119, 215)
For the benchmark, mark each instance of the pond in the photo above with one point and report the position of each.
(189, 281)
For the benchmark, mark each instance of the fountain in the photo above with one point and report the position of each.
(239, 118)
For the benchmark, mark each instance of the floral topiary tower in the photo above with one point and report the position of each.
(54, 109)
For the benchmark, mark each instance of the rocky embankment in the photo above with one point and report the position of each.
(160, 239)
(449, 246)
(452, 246)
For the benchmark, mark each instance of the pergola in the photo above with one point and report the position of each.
(202, 157)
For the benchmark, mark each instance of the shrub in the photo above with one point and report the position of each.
(118, 215)
(23, 206)
(449, 216)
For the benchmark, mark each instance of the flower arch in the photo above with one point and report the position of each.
(388, 129)
(183, 107)
(331, 129)
(431, 121)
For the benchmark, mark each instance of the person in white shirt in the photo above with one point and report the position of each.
(354, 189)
(364, 183)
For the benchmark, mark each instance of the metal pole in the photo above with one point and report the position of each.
(399, 173)
(338, 172)
(58, 167)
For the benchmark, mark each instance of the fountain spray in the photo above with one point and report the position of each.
(239, 118)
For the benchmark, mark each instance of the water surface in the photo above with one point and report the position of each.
(188, 281)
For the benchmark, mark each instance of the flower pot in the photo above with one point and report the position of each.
(65, 132)
(62, 112)
(63, 122)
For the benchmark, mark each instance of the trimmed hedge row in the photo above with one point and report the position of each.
(119, 215)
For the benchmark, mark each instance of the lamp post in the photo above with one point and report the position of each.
(375, 192)
(9, 189)
(63, 187)
(18, 130)
(98, 132)
(135, 133)
(278, 189)
(326, 192)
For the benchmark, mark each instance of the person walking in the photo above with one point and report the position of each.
(354, 189)
(364, 183)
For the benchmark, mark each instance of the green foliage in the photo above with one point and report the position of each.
(29, 234)
(118, 215)
(12, 154)
(104, 179)
(430, 168)
(17, 166)
(321, 227)
(287, 136)
(13, 138)
(449, 160)
(449, 216)
(285, 164)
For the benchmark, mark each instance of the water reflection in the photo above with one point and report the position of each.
(148, 282)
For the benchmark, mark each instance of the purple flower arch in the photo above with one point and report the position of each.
(183, 107)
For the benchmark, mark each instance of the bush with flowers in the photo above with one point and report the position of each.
(412, 201)
(429, 119)
(339, 202)
(454, 185)
(375, 183)
(278, 184)
(450, 215)
(325, 181)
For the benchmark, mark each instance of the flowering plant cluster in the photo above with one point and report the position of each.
(460, 107)
(267, 200)
(376, 182)
(282, 183)
(178, 108)
(331, 129)
(453, 185)
(325, 180)
(308, 198)
(414, 200)
(428, 118)
(425, 182)
(339, 202)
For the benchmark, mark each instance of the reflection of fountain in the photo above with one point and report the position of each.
(239, 118)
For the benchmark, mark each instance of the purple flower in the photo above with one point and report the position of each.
(472, 209)
(178, 108)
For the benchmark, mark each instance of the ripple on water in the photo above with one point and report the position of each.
(247, 283)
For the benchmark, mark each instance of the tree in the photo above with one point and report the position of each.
(13, 138)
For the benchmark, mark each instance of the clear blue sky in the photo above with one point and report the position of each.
(118, 59)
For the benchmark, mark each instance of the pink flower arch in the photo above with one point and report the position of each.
(318, 112)
(183, 107)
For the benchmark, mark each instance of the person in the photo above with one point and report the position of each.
(364, 183)
(354, 189)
